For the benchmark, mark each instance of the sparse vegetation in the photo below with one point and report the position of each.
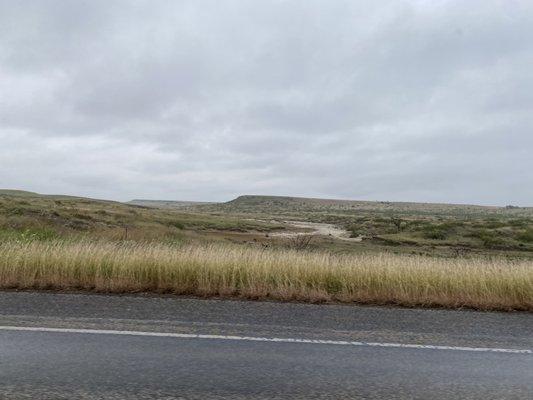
(526, 236)
(431, 229)
(401, 253)
(300, 242)
(80, 218)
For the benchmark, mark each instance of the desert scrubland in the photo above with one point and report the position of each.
(405, 254)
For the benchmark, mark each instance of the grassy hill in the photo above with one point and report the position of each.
(427, 228)
(25, 193)
(419, 228)
(31, 215)
(18, 193)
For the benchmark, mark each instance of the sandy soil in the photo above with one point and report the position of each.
(317, 228)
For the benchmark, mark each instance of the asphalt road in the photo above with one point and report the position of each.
(100, 347)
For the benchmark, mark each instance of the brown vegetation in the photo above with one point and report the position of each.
(251, 272)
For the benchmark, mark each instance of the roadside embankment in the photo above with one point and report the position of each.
(248, 272)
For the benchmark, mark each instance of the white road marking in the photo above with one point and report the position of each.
(264, 339)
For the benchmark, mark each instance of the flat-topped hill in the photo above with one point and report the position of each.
(19, 193)
(261, 204)
(24, 193)
(167, 203)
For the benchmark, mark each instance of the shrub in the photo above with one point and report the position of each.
(30, 235)
(435, 233)
(526, 236)
(490, 239)
(176, 224)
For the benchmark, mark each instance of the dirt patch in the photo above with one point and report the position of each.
(317, 228)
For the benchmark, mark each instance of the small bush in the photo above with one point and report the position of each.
(435, 233)
(83, 216)
(30, 235)
(176, 224)
(490, 239)
(526, 236)
(495, 224)
(519, 222)
(300, 242)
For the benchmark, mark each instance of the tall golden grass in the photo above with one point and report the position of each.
(217, 270)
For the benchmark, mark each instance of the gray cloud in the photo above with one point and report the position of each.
(422, 101)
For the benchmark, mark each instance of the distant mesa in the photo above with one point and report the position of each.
(249, 202)
(18, 193)
(167, 203)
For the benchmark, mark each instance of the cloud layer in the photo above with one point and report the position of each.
(206, 100)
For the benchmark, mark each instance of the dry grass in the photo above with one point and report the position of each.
(215, 270)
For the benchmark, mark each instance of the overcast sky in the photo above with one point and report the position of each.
(207, 100)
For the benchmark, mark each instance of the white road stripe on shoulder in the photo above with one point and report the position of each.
(264, 339)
